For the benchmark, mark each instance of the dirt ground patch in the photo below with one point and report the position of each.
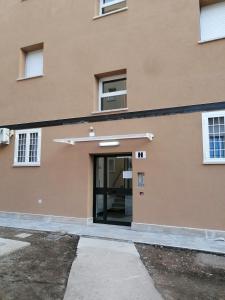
(39, 271)
(183, 274)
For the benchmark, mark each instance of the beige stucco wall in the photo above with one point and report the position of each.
(179, 189)
(156, 41)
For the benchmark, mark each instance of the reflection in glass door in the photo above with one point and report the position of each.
(113, 189)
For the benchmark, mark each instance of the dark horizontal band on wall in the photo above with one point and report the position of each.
(122, 116)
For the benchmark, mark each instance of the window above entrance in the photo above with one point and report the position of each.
(112, 93)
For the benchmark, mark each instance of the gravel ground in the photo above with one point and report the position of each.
(39, 271)
(183, 274)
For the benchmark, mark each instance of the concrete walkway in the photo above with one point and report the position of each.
(171, 239)
(112, 270)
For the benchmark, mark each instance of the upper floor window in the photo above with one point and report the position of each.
(213, 124)
(27, 147)
(108, 6)
(31, 61)
(113, 93)
(34, 63)
(212, 21)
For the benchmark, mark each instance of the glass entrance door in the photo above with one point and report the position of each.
(113, 189)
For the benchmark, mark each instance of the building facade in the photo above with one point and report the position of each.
(113, 111)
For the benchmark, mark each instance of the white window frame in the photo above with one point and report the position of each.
(205, 137)
(112, 94)
(27, 163)
(104, 5)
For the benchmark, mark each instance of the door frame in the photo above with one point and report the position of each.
(105, 189)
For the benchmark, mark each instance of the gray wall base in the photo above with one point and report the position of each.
(187, 238)
(46, 218)
(207, 234)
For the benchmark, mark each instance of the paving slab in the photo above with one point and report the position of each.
(106, 269)
(215, 261)
(8, 246)
(23, 235)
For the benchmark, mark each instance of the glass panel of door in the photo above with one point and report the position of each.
(113, 189)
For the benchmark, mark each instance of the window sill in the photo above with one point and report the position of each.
(109, 111)
(27, 78)
(214, 162)
(111, 13)
(211, 40)
(26, 165)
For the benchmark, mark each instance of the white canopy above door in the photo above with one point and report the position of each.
(107, 138)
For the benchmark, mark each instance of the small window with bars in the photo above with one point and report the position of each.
(214, 137)
(27, 147)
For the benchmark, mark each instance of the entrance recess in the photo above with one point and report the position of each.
(113, 189)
